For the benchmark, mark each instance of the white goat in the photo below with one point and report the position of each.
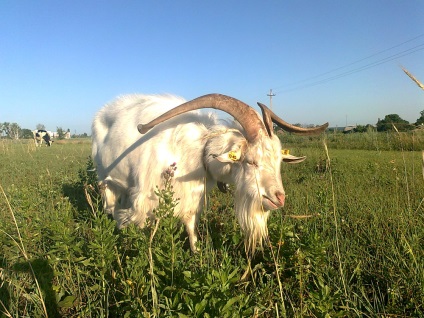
(207, 151)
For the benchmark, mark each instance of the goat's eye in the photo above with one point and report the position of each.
(252, 163)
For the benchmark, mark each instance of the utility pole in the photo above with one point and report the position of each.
(270, 98)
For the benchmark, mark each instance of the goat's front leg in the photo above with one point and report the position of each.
(190, 222)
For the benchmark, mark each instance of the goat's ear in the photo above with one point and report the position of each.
(292, 159)
(230, 157)
(287, 157)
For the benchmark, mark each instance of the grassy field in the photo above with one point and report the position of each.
(349, 242)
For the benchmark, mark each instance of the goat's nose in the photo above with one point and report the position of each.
(280, 197)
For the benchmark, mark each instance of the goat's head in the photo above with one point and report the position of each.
(250, 158)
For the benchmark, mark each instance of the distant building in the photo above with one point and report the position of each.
(345, 130)
(349, 129)
(55, 134)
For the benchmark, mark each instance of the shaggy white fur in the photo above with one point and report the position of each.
(131, 165)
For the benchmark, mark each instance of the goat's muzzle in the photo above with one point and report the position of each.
(277, 201)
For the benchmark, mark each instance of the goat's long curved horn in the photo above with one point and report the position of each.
(269, 116)
(243, 113)
(266, 114)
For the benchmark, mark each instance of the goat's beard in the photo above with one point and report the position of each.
(252, 219)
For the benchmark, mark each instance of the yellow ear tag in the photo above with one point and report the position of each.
(285, 151)
(233, 156)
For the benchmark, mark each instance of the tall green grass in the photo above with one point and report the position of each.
(370, 140)
(349, 241)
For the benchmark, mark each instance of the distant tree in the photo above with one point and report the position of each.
(387, 123)
(83, 135)
(360, 129)
(11, 130)
(40, 127)
(370, 128)
(26, 133)
(420, 121)
(60, 133)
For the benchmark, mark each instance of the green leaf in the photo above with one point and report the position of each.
(127, 314)
(200, 307)
(67, 302)
(229, 303)
(187, 274)
(87, 262)
(95, 287)
(232, 277)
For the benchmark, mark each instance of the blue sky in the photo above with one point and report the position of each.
(336, 61)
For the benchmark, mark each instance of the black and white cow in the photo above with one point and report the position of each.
(40, 136)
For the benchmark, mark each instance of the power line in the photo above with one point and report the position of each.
(378, 62)
(356, 70)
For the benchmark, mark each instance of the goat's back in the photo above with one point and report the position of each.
(124, 114)
(118, 148)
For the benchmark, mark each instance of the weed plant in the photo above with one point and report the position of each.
(348, 243)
